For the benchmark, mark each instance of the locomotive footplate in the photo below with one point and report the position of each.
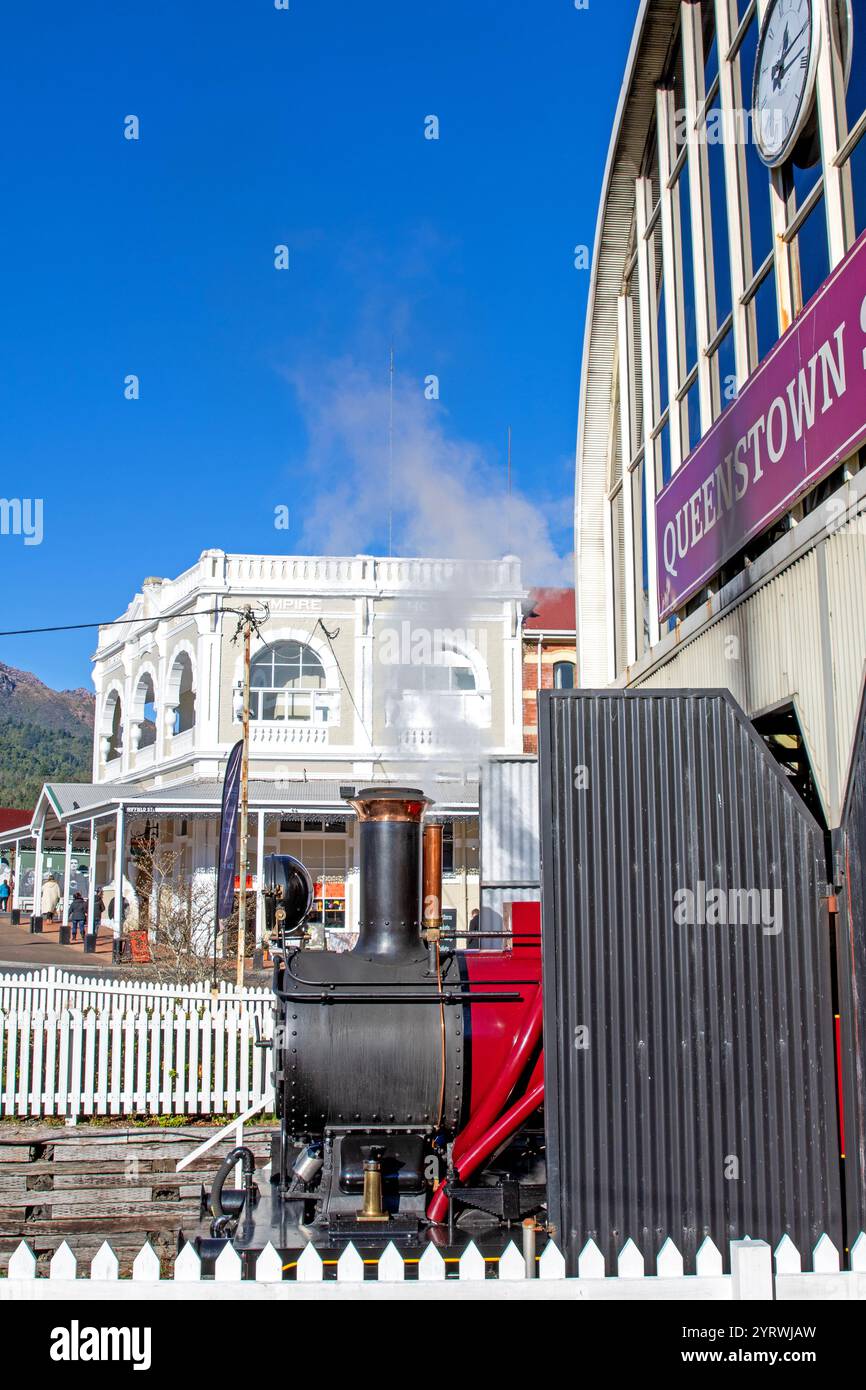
(509, 1199)
(345, 1226)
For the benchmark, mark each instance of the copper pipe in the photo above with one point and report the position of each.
(431, 910)
(432, 881)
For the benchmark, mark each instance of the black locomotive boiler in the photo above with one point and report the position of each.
(407, 1073)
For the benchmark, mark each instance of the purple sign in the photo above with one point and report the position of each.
(797, 418)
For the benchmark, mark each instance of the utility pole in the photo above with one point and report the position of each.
(245, 800)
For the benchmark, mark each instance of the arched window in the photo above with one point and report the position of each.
(144, 711)
(563, 675)
(185, 717)
(450, 672)
(180, 695)
(283, 677)
(112, 727)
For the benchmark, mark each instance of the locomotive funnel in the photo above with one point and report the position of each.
(390, 907)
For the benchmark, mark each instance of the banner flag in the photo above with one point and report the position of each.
(228, 841)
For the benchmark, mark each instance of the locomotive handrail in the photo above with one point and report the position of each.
(455, 996)
(237, 1124)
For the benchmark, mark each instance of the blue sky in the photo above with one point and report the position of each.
(262, 388)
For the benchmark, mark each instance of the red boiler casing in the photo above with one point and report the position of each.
(504, 1046)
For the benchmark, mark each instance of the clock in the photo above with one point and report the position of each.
(786, 68)
(783, 93)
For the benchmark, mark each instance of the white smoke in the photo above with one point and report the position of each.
(446, 498)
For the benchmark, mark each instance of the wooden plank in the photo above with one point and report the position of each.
(15, 1153)
(162, 1216)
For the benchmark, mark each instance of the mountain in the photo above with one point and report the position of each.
(25, 699)
(45, 735)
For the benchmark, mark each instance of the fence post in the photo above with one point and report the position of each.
(752, 1270)
(51, 989)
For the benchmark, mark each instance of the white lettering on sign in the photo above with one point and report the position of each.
(823, 381)
(296, 605)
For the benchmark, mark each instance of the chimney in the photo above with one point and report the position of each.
(390, 909)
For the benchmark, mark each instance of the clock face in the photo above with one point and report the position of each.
(785, 72)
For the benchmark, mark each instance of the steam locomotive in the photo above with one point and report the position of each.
(407, 1073)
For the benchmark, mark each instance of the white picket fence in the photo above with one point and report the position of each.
(51, 990)
(399, 1275)
(193, 1059)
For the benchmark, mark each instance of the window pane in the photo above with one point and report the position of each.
(663, 350)
(563, 675)
(814, 252)
(718, 214)
(758, 174)
(767, 313)
(727, 371)
(694, 405)
(463, 678)
(858, 176)
(688, 271)
(856, 100)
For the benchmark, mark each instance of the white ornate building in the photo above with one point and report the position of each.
(366, 669)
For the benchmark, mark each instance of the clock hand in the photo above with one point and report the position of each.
(785, 66)
(786, 47)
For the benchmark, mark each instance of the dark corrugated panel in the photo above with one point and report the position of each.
(851, 871)
(703, 1101)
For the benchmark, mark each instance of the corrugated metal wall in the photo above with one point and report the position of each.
(510, 852)
(800, 637)
(851, 872)
(509, 822)
(689, 1069)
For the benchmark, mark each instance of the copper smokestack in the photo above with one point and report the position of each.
(390, 908)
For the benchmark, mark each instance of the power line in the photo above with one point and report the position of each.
(116, 622)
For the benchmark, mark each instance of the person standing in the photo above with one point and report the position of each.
(4, 895)
(78, 916)
(51, 896)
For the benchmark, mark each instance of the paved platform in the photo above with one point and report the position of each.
(18, 947)
(19, 950)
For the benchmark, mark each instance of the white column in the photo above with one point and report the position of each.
(260, 875)
(649, 351)
(37, 870)
(67, 874)
(91, 877)
(120, 833)
(628, 449)
(833, 118)
(16, 881)
(699, 198)
(736, 184)
(672, 288)
(609, 583)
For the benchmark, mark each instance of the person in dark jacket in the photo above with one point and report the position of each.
(78, 915)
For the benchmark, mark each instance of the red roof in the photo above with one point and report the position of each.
(10, 819)
(552, 611)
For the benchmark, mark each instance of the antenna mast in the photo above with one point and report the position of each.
(391, 452)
